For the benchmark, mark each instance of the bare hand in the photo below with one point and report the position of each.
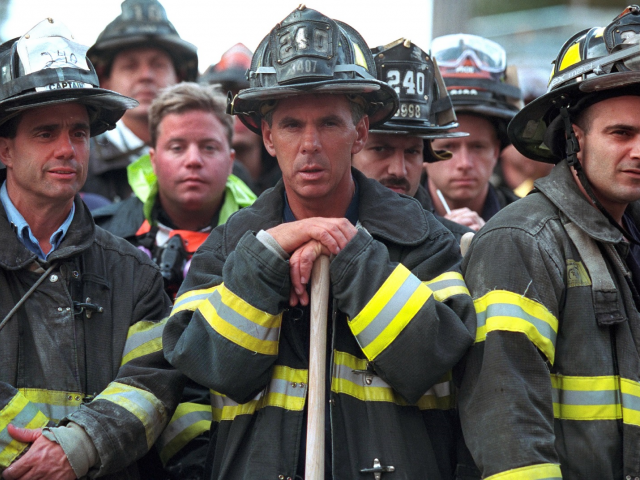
(44, 460)
(301, 263)
(466, 217)
(332, 233)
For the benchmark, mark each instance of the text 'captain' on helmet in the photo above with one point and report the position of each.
(47, 67)
(478, 78)
(144, 23)
(594, 64)
(425, 110)
(308, 53)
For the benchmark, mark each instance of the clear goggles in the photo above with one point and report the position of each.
(451, 51)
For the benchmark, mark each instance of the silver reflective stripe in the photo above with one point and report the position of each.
(140, 338)
(585, 397)
(176, 427)
(631, 402)
(359, 377)
(285, 387)
(56, 412)
(442, 284)
(240, 322)
(389, 311)
(194, 298)
(510, 310)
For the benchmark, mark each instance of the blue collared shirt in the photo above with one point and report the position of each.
(23, 231)
(352, 213)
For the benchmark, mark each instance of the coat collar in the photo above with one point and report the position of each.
(384, 213)
(561, 189)
(14, 255)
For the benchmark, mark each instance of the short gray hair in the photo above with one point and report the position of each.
(185, 97)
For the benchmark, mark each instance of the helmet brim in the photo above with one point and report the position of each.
(108, 106)
(420, 132)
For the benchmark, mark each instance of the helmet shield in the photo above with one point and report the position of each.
(46, 67)
(425, 107)
(310, 53)
(144, 23)
(592, 65)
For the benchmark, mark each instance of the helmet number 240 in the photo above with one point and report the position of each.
(413, 82)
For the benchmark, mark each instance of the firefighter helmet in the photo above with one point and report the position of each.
(46, 67)
(231, 70)
(305, 53)
(144, 23)
(594, 64)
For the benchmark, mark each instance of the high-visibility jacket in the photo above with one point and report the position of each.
(99, 365)
(552, 385)
(133, 220)
(401, 319)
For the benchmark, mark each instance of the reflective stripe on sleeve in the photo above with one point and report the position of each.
(596, 398)
(143, 338)
(54, 404)
(189, 421)
(350, 378)
(144, 405)
(389, 311)
(21, 413)
(501, 310)
(447, 285)
(191, 299)
(238, 321)
(544, 471)
(287, 389)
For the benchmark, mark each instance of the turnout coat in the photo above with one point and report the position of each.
(401, 318)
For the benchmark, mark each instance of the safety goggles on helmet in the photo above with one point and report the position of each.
(460, 52)
(309, 53)
(46, 67)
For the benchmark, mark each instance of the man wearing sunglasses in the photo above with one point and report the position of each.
(552, 384)
(485, 97)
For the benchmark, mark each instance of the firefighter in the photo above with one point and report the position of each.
(137, 54)
(401, 314)
(395, 152)
(552, 383)
(84, 387)
(485, 96)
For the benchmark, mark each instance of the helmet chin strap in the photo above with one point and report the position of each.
(572, 148)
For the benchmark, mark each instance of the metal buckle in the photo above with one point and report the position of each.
(378, 469)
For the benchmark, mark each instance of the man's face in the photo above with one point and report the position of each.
(192, 160)
(465, 177)
(141, 73)
(313, 137)
(610, 150)
(394, 160)
(48, 158)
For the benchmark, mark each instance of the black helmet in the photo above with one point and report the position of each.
(310, 53)
(594, 64)
(46, 67)
(231, 70)
(144, 23)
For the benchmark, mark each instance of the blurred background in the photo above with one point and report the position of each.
(532, 31)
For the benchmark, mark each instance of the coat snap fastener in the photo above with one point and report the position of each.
(53, 278)
(59, 309)
(75, 274)
(294, 384)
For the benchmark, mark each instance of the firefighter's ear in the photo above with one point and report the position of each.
(152, 157)
(6, 151)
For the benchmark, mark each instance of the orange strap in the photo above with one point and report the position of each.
(191, 240)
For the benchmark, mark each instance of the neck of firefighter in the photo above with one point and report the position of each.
(334, 205)
(190, 217)
(138, 124)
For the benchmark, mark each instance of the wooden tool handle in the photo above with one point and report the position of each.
(314, 462)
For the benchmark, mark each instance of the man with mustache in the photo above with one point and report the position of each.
(551, 387)
(485, 97)
(395, 152)
(84, 387)
(400, 316)
(137, 54)
(183, 189)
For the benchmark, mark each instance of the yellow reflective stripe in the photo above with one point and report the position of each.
(630, 401)
(191, 299)
(21, 413)
(544, 471)
(287, 389)
(143, 338)
(350, 378)
(389, 311)
(188, 421)
(571, 57)
(144, 405)
(56, 405)
(586, 398)
(501, 310)
(359, 60)
(447, 285)
(240, 322)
